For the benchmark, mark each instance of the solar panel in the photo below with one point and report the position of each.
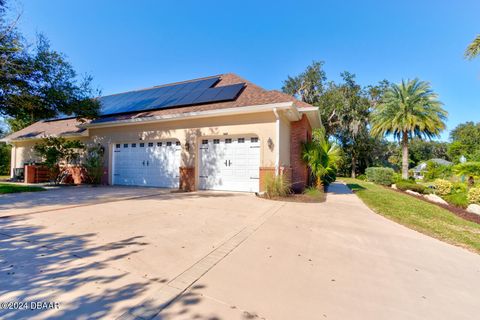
(181, 94)
(229, 92)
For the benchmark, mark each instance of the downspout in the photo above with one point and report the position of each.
(13, 160)
(277, 149)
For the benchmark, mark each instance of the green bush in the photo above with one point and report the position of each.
(443, 187)
(380, 175)
(276, 186)
(474, 195)
(459, 187)
(405, 185)
(362, 177)
(437, 171)
(457, 199)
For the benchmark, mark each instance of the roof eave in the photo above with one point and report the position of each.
(192, 115)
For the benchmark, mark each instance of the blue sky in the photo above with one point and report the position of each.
(133, 44)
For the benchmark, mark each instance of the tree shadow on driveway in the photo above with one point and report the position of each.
(51, 267)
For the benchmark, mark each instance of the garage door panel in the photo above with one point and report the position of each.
(147, 164)
(229, 164)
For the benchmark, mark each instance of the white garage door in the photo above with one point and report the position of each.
(230, 164)
(147, 163)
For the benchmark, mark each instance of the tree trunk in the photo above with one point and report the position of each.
(354, 167)
(405, 155)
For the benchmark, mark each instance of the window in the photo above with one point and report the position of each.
(254, 140)
(150, 144)
(142, 145)
(241, 140)
(216, 141)
(125, 145)
(169, 143)
(204, 141)
(228, 140)
(134, 145)
(177, 143)
(159, 144)
(117, 145)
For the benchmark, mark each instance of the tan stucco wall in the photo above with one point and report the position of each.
(285, 142)
(22, 152)
(191, 131)
(262, 125)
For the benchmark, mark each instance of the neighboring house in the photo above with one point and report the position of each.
(419, 170)
(217, 133)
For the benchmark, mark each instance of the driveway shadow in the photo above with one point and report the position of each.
(39, 266)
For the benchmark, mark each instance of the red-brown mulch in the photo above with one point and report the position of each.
(462, 213)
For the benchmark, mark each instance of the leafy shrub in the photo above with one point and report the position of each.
(94, 163)
(457, 199)
(443, 187)
(362, 177)
(436, 170)
(474, 195)
(469, 169)
(380, 175)
(397, 177)
(276, 186)
(405, 185)
(459, 187)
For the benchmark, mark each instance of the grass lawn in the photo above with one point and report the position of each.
(419, 215)
(11, 188)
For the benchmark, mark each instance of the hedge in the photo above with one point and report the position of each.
(407, 185)
(380, 175)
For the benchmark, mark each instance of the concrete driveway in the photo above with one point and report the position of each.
(225, 256)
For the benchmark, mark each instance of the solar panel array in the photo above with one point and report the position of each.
(175, 95)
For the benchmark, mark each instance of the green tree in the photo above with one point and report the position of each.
(55, 150)
(465, 142)
(40, 83)
(473, 48)
(321, 156)
(423, 150)
(410, 109)
(309, 85)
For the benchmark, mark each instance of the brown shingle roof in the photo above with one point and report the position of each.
(250, 96)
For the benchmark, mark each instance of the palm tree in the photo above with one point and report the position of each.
(473, 48)
(410, 109)
(321, 156)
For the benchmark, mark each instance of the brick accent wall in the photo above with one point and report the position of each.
(187, 178)
(105, 176)
(36, 174)
(301, 131)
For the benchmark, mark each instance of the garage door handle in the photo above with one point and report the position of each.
(143, 162)
(229, 163)
(226, 165)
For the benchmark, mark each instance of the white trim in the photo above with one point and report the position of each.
(313, 115)
(192, 115)
(13, 160)
(277, 142)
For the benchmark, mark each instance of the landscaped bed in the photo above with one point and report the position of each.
(13, 188)
(417, 214)
(309, 195)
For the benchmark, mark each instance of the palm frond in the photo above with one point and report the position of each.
(473, 48)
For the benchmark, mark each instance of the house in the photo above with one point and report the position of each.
(216, 133)
(420, 169)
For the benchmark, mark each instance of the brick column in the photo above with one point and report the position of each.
(301, 131)
(187, 178)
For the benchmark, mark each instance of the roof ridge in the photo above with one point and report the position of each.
(160, 86)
